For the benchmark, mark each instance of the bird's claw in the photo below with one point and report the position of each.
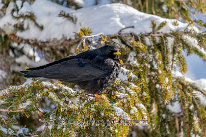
(94, 95)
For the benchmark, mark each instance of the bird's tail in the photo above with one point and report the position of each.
(28, 74)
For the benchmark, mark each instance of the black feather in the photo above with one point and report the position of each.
(26, 74)
(52, 63)
(92, 70)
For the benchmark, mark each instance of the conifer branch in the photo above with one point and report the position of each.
(9, 111)
(189, 9)
(120, 31)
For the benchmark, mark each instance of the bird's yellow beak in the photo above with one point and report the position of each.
(117, 53)
(25, 68)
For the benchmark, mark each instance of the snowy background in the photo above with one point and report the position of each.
(196, 66)
(115, 17)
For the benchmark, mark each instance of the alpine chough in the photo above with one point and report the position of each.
(93, 70)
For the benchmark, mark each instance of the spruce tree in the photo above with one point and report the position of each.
(141, 103)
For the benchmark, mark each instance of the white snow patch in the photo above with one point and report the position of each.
(132, 92)
(56, 86)
(3, 75)
(8, 21)
(3, 129)
(75, 101)
(121, 95)
(194, 43)
(50, 126)
(201, 97)
(158, 86)
(27, 49)
(41, 128)
(25, 60)
(174, 107)
(26, 9)
(23, 131)
(133, 110)
(1, 4)
(15, 127)
(7, 131)
(120, 113)
(24, 105)
(47, 15)
(45, 110)
(19, 3)
(132, 59)
(115, 17)
(177, 74)
(124, 74)
(79, 2)
(133, 85)
(201, 83)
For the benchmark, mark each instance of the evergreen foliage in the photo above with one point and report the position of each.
(175, 9)
(139, 104)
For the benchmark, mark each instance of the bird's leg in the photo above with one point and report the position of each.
(97, 97)
(94, 95)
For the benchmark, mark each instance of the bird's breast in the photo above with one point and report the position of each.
(101, 84)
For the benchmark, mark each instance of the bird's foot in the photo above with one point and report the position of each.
(97, 98)
(94, 95)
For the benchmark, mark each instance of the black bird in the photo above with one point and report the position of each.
(93, 70)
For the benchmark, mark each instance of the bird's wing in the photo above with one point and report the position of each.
(76, 69)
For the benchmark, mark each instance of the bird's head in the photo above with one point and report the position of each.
(110, 51)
